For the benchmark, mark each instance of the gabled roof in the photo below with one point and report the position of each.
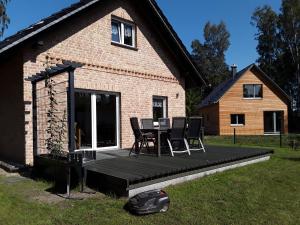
(215, 96)
(150, 5)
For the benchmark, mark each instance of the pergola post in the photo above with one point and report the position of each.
(34, 120)
(71, 111)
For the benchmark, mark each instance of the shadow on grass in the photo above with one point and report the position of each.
(295, 159)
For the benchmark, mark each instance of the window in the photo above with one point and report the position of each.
(123, 33)
(159, 108)
(253, 91)
(237, 119)
(116, 31)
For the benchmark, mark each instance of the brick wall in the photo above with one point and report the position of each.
(136, 74)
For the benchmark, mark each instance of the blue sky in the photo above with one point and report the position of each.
(188, 18)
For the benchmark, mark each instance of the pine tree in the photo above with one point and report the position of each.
(4, 19)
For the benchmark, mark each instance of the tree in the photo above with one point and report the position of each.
(266, 22)
(278, 46)
(289, 30)
(210, 56)
(4, 19)
(193, 98)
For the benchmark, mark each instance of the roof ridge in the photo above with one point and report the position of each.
(217, 93)
(42, 25)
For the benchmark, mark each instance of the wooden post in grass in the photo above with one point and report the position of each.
(280, 138)
(234, 136)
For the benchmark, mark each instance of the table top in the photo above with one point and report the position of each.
(156, 129)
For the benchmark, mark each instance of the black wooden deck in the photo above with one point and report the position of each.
(119, 173)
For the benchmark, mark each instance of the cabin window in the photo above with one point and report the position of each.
(159, 108)
(253, 91)
(237, 119)
(123, 33)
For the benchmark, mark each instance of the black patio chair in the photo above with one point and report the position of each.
(176, 137)
(164, 123)
(141, 139)
(147, 123)
(193, 134)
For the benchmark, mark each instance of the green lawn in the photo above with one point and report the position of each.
(255, 140)
(263, 193)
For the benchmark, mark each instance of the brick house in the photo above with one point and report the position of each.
(132, 63)
(249, 102)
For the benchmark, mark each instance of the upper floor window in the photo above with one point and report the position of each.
(123, 33)
(253, 91)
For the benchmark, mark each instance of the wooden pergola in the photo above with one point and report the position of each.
(66, 67)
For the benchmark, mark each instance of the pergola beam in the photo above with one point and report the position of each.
(67, 66)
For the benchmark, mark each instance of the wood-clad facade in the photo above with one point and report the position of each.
(267, 114)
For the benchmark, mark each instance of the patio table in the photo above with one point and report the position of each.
(158, 132)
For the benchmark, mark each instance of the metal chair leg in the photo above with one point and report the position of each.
(133, 146)
(171, 147)
(201, 144)
(187, 146)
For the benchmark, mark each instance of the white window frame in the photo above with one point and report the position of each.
(122, 34)
(94, 123)
(237, 124)
(165, 106)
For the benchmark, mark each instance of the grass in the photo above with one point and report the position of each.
(263, 193)
(255, 140)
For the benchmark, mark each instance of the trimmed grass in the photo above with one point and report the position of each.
(255, 140)
(263, 193)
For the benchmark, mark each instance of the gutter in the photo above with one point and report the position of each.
(177, 42)
(47, 26)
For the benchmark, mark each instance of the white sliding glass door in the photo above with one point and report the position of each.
(97, 120)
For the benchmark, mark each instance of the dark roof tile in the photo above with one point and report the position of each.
(222, 88)
(43, 24)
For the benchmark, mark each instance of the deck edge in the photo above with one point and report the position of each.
(192, 175)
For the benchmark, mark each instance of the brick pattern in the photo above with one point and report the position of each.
(60, 111)
(136, 74)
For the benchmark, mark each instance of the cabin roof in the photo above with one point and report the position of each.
(218, 92)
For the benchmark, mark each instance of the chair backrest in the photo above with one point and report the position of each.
(178, 128)
(147, 123)
(136, 128)
(194, 127)
(164, 123)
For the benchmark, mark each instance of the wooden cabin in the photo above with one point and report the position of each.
(249, 101)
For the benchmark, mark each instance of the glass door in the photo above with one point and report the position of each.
(106, 109)
(83, 121)
(272, 122)
(97, 121)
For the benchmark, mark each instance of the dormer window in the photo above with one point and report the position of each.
(253, 91)
(122, 33)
